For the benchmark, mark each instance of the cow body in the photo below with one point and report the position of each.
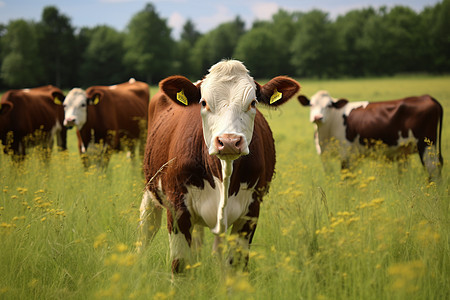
(405, 126)
(196, 161)
(108, 116)
(33, 117)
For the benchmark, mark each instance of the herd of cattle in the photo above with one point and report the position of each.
(209, 153)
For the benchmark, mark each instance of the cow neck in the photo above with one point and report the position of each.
(227, 170)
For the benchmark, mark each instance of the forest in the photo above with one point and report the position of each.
(369, 42)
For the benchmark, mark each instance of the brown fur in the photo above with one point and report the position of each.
(23, 113)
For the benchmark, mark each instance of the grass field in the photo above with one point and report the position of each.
(70, 233)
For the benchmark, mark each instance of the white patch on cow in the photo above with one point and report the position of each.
(203, 204)
(55, 129)
(228, 90)
(26, 90)
(131, 80)
(150, 219)
(112, 87)
(75, 108)
(330, 121)
(179, 247)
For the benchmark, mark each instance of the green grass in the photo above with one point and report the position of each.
(70, 233)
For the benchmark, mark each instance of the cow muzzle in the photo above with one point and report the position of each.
(69, 122)
(317, 119)
(230, 146)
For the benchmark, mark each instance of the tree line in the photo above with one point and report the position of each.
(363, 42)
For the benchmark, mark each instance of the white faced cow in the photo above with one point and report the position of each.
(405, 126)
(210, 156)
(108, 116)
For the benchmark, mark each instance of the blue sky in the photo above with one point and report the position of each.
(206, 14)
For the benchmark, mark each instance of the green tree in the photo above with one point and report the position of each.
(439, 37)
(189, 37)
(149, 46)
(216, 45)
(21, 66)
(102, 58)
(257, 48)
(314, 46)
(349, 29)
(57, 48)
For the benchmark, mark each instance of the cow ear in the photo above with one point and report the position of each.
(58, 98)
(94, 96)
(340, 103)
(5, 107)
(181, 90)
(277, 91)
(304, 100)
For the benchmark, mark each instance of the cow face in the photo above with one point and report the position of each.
(228, 97)
(322, 106)
(75, 108)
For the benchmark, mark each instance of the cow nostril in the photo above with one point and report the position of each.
(238, 142)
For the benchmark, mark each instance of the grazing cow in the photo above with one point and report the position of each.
(406, 125)
(34, 117)
(210, 157)
(108, 116)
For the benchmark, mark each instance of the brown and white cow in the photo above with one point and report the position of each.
(210, 156)
(108, 115)
(34, 117)
(406, 125)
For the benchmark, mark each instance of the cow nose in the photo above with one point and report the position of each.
(318, 118)
(70, 121)
(229, 144)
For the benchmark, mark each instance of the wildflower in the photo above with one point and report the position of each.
(100, 240)
(196, 265)
(121, 247)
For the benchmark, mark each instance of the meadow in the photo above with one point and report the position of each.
(70, 233)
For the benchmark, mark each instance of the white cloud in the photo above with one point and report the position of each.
(264, 10)
(222, 15)
(176, 22)
(2, 3)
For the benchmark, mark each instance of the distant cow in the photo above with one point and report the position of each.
(407, 125)
(108, 116)
(210, 156)
(32, 117)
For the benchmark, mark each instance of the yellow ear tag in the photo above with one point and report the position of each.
(57, 101)
(182, 97)
(96, 100)
(275, 97)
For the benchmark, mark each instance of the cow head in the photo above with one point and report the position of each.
(75, 107)
(321, 103)
(228, 97)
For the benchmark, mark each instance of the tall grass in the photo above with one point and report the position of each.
(67, 232)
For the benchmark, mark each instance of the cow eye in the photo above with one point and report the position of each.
(204, 104)
(252, 105)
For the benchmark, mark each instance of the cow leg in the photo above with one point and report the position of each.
(243, 231)
(431, 160)
(180, 237)
(197, 238)
(150, 220)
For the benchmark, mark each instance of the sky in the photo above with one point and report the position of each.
(206, 14)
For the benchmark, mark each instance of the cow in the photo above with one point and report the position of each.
(30, 117)
(412, 124)
(108, 117)
(209, 157)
